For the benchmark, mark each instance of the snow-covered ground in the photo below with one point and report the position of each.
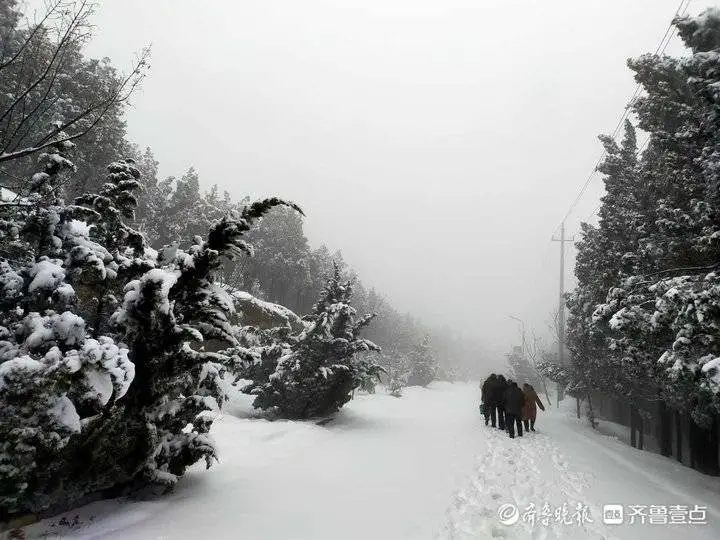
(567, 463)
(420, 467)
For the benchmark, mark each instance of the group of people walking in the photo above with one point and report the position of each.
(507, 406)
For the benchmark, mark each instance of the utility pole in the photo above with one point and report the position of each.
(522, 331)
(561, 299)
(561, 305)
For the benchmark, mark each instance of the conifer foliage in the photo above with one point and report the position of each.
(56, 371)
(397, 373)
(644, 319)
(319, 370)
(423, 364)
(103, 379)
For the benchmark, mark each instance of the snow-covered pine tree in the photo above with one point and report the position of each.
(56, 373)
(166, 316)
(94, 401)
(661, 318)
(423, 364)
(289, 273)
(606, 254)
(549, 368)
(687, 298)
(367, 368)
(397, 367)
(320, 369)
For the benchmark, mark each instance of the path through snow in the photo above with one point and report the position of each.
(529, 470)
(568, 466)
(421, 467)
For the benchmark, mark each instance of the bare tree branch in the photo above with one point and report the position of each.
(64, 41)
(32, 113)
(120, 94)
(52, 8)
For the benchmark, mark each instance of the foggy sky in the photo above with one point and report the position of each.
(438, 144)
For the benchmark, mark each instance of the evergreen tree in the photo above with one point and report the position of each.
(397, 368)
(423, 365)
(659, 319)
(281, 261)
(318, 372)
(55, 371)
(101, 393)
(680, 331)
(606, 254)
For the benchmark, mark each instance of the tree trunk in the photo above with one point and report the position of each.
(559, 394)
(577, 406)
(678, 436)
(632, 427)
(547, 394)
(692, 444)
(665, 430)
(641, 433)
(591, 412)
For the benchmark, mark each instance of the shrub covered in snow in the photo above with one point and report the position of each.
(57, 372)
(104, 381)
(397, 372)
(423, 364)
(317, 371)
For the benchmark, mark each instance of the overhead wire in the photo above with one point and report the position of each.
(660, 49)
(599, 204)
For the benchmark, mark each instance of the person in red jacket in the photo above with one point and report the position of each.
(530, 408)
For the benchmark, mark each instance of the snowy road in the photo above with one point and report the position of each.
(568, 466)
(420, 467)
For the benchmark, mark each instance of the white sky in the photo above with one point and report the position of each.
(437, 143)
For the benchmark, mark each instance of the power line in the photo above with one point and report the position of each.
(599, 204)
(664, 42)
(643, 145)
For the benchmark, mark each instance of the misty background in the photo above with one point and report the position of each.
(437, 144)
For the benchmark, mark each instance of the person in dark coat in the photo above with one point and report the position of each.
(514, 404)
(486, 390)
(499, 400)
(530, 408)
(508, 383)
